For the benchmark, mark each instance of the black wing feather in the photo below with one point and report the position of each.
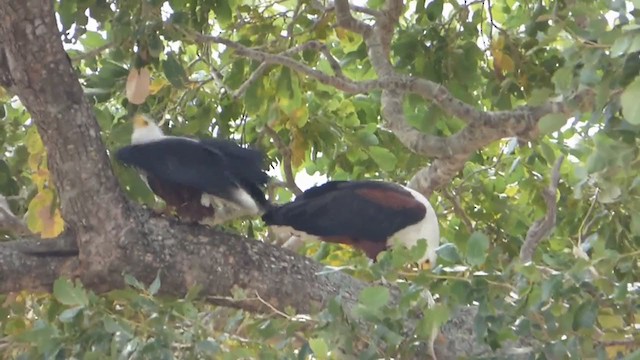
(244, 163)
(339, 208)
(184, 162)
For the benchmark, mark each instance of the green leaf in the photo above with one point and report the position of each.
(130, 280)
(284, 84)
(547, 152)
(254, 98)
(477, 247)
(375, 4)
(208, 347)
(635, 45)
(585, 315)
(367, 138)
(636, 354)
(222, 9)
(92, 40)
(67, 294)
(174, 71)
(68, 315)
(434, 9)
(432, 319)
(611, 321)
(539, 96)
(383, 157)
(374, 297)
(620, 46)
(563, 79)
(635, 224)
(449, 252)
(319, 348)
(67, 9)
(155, 285)
(551, 122)
(630, 103)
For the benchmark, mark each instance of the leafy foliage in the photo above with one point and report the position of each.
(580, 296)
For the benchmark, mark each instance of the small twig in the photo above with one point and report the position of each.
(93, 53)
(217, 77)
(485, 168)
(339, 83)
(294, 243)
(285, 151)
(622, 342)
(493, 24)
(311, 45)
(335, 65)
(356, 8)
(242, 89)
(583, 228)
(542, 227)
(458, 210)
(294, 18)
(273, 308)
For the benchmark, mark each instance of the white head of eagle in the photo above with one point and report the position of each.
(210, 181)
(145, 130)
(369, 215)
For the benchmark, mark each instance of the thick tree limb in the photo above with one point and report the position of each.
(542, 227)
(20, 271)
(188, 255)
(63, 246)
(279, 277)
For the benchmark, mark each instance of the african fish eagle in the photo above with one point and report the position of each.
(369, 215)
(208, 181)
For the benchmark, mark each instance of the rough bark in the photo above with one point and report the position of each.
(112, 238)
(187, 255)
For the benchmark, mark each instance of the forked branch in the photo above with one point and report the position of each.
(542, 227)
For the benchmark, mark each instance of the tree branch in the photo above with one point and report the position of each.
(9, 222)
(346, 20)
(386, 25)
(542, 227)
(451, 153)
(285, 151)
(339, 82)
(232, 262)
(93, 52)
(311, 45)
(20, 271)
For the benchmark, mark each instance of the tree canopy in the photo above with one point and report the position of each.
(519, 119)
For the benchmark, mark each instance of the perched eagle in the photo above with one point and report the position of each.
(369, 215)
(209, 181)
